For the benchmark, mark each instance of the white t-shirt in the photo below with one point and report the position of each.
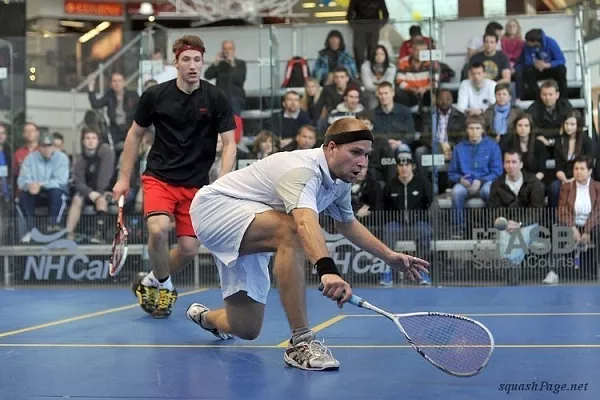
(515, 186)
(469, 97)
(289, 180)
(583, 204)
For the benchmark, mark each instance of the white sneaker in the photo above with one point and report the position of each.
(551, 278)
(310, 355)
(194, 313)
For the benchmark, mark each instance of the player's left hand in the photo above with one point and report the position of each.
(411, 266)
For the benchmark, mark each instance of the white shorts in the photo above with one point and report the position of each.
(220, 223)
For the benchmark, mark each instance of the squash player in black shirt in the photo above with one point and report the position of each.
(188, 114)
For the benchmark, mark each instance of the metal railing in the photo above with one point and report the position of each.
(585, 68)
(142, 39)
(473, 248)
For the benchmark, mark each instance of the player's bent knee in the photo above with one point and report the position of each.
(159, 227)
(188, 246)
(246, 332)
(245, 316)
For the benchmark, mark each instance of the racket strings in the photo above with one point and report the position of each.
(455, 344)
(119, 247)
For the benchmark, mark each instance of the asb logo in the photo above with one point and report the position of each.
(348, 256)
(70, 263)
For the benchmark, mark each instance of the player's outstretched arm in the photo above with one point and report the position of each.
(311, 235)
(356, 232)
(229, 154)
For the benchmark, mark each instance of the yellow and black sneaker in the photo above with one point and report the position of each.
(147, 295)
(165, 302)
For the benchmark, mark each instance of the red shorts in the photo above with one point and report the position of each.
(163, 198)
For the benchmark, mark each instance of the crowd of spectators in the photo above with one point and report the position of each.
(493, 148)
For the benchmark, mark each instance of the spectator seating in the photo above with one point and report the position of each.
(562, 27)
(263, 78)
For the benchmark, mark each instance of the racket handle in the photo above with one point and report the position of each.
(354, 300)
(121, 201)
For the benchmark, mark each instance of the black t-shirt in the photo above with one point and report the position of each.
(186, 131)
(494, 65)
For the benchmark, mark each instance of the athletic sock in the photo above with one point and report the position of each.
(204, 322)
(166, 283)
(301, 335)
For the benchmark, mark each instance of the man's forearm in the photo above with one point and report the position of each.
(228, 158)
(130, 150)
(359, 235)
(311, 235)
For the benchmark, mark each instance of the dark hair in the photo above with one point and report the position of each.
(341, 69)
(291, 92)
(493, 26)
(490, 34)
(350, 88)
(578, 135)
(386, 62)
(308, 128)
(91, 129)
(515, 143)
(548, 84)
(503, 86)
(589, 161)
(475, 65)
(385, 84)
(514, 152)
(337, 34)
(58, 135)
(534, 35)
(414, 30)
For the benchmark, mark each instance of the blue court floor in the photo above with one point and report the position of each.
(97, 344)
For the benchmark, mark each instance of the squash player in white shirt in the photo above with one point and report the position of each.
(273, 206)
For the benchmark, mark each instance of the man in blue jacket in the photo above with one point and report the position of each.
(541, 59)
(476, 162)
(44, 175)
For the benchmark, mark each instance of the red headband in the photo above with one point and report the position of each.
(188, 47)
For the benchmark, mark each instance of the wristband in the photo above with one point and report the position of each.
(325, 266)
